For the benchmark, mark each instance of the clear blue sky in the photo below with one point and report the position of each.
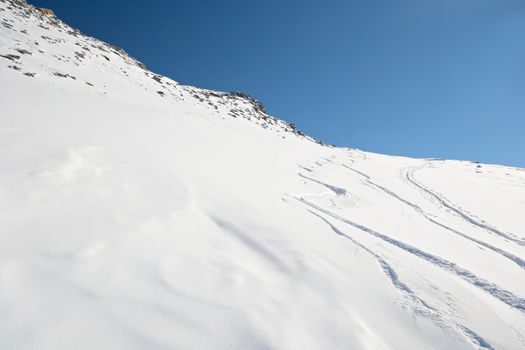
(424, 78)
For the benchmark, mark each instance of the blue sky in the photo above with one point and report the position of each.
(423, 78)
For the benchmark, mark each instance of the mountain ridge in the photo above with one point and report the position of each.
(80, 47)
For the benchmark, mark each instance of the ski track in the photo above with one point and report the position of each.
(520, 262)
(421, 307)
(504, 296)
(409, 176)
(337, 190)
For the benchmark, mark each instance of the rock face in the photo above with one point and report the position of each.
(257, 104)
(47, 12)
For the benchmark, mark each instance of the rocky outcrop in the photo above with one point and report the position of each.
(257, 104)
(47, 12)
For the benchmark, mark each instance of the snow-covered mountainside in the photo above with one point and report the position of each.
(137, 213)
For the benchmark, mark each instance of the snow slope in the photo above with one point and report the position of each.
(137, 213)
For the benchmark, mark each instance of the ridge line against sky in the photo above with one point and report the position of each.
(416, 78)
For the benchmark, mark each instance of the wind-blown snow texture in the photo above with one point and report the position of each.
(137, 213)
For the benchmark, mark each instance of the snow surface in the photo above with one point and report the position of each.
(137, 213)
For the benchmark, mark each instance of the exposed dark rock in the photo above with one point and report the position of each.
(257, 104)
(47, 12)
(24, 52)
(80, 55)
(22, 3)
(7, 25)
(117, 49)
(62, 75)
(11, 57)
(157, 78)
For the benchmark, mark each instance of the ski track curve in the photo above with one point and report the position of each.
(421, 307)
(337, 190)
(515, 259)
(445, 202)
(515, 302)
